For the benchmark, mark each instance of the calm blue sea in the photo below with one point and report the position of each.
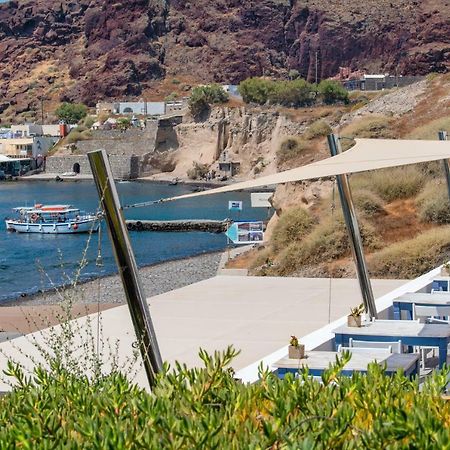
(30, 262)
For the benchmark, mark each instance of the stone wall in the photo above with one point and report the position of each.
(123, 166)
(130, 142)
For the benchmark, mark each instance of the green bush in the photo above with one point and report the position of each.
(71, 112)
(204, 96)
(292, 94)
(433, 204)
(205, 408)
(290, 148)
(292, 226)
(317, 129)
(256, 90)
(332, 92)
(413, 257)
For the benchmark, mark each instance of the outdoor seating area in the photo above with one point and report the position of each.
(415, 327)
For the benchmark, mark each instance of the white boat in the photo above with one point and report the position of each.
(52, 219)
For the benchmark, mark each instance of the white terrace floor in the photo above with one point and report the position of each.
(255, 314)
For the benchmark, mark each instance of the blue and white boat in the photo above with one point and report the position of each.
(52, 219)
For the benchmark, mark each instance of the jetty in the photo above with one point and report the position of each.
(211, 226)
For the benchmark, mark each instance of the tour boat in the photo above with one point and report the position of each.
(52, 219)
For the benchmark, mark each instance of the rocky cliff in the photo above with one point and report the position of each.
(85, 50)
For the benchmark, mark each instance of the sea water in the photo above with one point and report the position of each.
(33, 262)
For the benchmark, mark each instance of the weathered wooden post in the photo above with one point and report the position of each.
(126, 264)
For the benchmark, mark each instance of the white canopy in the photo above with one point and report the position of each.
(367, 154)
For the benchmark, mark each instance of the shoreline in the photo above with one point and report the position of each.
(156, 279)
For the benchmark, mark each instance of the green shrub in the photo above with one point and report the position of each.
(205, 408)
(293, 93)
(433, 204)
(290, 148)
(292, 226)
(326, 242)
(256, 90)
(71, 112)
(391, 184)
(88, 121)
(332, 92)
(171, 97)
(317, 129)
(204, 96)
(198, 171)
(413, 257)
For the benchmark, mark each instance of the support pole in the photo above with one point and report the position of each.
(126, 263)
(443, 137)
(351, 222)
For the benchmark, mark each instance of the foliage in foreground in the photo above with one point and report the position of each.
(207, 408)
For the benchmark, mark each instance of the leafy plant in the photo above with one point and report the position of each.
(207, 408)
(71, 112)
(332, 92)
(357, 310)
(204, 96)
(294, 341)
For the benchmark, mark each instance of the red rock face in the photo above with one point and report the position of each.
(119, 48)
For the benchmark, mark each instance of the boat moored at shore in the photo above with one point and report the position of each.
(52, 219)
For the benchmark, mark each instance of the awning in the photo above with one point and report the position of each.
(366, 154)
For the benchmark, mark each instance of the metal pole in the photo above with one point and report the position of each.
(351, 222)
(443, 137)
(126, 263)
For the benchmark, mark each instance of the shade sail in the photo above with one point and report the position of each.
(366, 154)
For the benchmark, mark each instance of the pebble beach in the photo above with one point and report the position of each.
(156, 279)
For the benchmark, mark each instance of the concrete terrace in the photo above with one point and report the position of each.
(255, 314)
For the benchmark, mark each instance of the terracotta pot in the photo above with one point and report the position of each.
(297, 352)
(353, 321)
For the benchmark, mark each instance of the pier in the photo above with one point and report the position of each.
(211, 226)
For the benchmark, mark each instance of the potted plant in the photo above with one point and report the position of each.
(445, 269)
(354, 318)
(296, 350)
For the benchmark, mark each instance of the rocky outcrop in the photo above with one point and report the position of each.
(92, 49)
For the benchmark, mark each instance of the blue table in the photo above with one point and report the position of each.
(318, 361)
(406, 301)
(410, 332)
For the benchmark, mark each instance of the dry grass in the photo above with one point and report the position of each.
(391, 184)
(326, 242)
(290, 148)
(368, 202)
(413, 257)
(317, 129)
(433, 203)
(292, 226)
(376, 126)
(429, 131)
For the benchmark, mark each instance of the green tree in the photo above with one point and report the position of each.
(256, 90)
(332, 92)
(293, 93)
(204, 96)
(71, 112)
